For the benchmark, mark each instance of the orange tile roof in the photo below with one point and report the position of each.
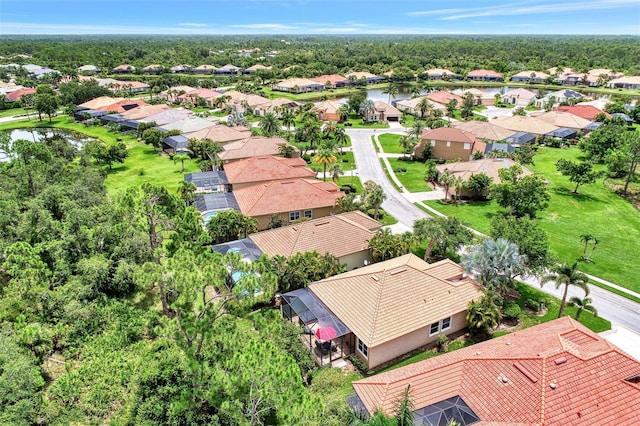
(483, 73)
(120, 105)
(390, 299)
(328, 107)
(286, 196)
(333, 78)
(588, 112)
(144, 111)
(254, 146)
(484, 130)
(267, 168)
(448, 134)
(562, 119)
(100, 102)
(200, 93)
(556, 373)
(340, 235)
(443, 97)
(16, 95)
(487, 166)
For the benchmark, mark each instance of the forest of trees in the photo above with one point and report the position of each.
(316, 55)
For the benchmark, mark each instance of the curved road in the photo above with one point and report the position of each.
(615, 308)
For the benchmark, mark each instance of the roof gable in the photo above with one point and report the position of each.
(267, 168)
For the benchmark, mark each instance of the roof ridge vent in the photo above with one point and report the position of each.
(528, 374)
(375, 277)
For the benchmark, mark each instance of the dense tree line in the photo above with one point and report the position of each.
(316, 55)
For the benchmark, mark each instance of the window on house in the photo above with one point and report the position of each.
(363, 349)
(446, 324)
(448, 144)
(308, 213)
(433, 143)
(467, 146)
(294, 216)
(435, 327)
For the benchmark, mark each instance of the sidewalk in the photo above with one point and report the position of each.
(623, 338)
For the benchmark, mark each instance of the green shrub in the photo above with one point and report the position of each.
(358, 363)
(141, 172)
(372, 213)
(400, 170)
(532, 304)
(512, 311)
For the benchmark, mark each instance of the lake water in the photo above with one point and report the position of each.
(37, 135)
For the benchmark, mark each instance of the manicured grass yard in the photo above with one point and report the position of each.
(596, 210)
(389, 143)
(413, 178)
(14, 111)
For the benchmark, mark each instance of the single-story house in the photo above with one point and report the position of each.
(171, 115)
(123, 69)
(249, 171)
(386, 309)
(626, 82)
(99, 103)
(188, 125)
(448, 143)
(530, 77)
(386, 112)
(196, 95)
(180, 69)
(328, 110)
(484, 130)
(558, 97)
(440, 74)
(290, 199)
(518, 97)
(227, 69)
(175, 144)
(153, 69)
(346, 236)
(331, 81)
(588, 112)
(370, 78)
(485, 75)
(213, 181)
(257, 67)
(144, 111)
(486, 166)
(443, 97)
(410, 106)
(623, 116)
(563, 133)
(525, 124)
(129, 86)
(562, 119)
(555, 373)
(203, 69)
(246, 102)
(88, 69)
(253, 146)
(298, 85)
(220, 133)
(275, 106)
(16, 95)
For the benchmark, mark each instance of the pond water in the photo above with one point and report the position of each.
(37, 135)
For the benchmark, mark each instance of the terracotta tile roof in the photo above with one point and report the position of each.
(562, 119)
(484, 130)
(389, 111)
(519, 93)
(100, 102)
(267, 168)
(123, 105)
(144, 111)
(487, 166)
(451, 134)
(340, 235)
(439, 72)
(16, 95)
(443, 97)
(484, 73)
(333, 78)
(199, 93)
(285, 196)
(588, 112)
(525, 124)
(221, 133)
(413, 104)
(556, 373)
(250, 99)
(390, 299)
(328, 107)
(254, 146)
(300, 82)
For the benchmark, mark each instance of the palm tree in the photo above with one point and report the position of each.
(324, 156)
(336, 171)
(288, 118)
(236, 119)
(373, 196)
(269, 124)
(340, 137)
(407, 144)
(344, 112)
(405, 408)
(392, 89)
(182, 157)
(565, 275)
(367, 110)
(416, 130)
(586, 239)
(483, 315)
(446, 180)
(583, 304)
(186, 192)
(423, 106)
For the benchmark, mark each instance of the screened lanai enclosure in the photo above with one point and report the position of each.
(322, 332)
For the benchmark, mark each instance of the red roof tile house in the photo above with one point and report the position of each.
(250, 171)
(290, 199)
(384, 310)
(332, 81)
(588, 112)
(556, 373)
(328, 110)
(485, 75)
(17, 95)
(123, 69)
(254, 146)
(448, 143)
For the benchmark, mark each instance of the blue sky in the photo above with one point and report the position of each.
(180, 17)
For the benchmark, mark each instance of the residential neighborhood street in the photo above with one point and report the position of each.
(617, 309)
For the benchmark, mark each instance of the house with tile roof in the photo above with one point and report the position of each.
(370, 78)
(588, 112)
(559, 97)
(346, 236)
(291, 199)
(254, 146)
(203, 69)
(555, 373)
(484, 130)
(440, 74)
(144, 111)
(485, 75)
(276, 106)
(253, 170)
(525, 124)
(328, 110)
(410, 106)
(167, 116)
(178, 69)
(128, 86)
(448, 143)
(387, 309)
(257, 67)
(519, 97)
(227, 69)
(485, 166)
(331, 81)
(88, 69)
(442, 97)
(123, 69)
(298, 85)
(153, 69)
(220, 133)
(625, 82)
(16, 95)
(562, 119)
(386, 112)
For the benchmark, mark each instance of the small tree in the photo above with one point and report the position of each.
(182, 157)
(579, 173)
(583, 304)
(373, 196)
(566, 275)
(479, 185)
(483, 315)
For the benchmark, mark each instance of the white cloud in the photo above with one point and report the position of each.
(191, 24)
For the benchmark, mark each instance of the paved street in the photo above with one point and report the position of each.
(617, 309)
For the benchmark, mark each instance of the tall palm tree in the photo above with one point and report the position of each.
(407, 144)
(324, 156)
(288, 118)
(424, 106)
(182, 157)
(344, 112)
(341, 137)
(586, 239)
(373, 196)
(336, 171)
(416, 130)
(566, 275)
(392, 89)
(186, 192)
(269, 124)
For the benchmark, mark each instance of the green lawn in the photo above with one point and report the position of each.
(389, 143)
(596, 210)
(351, 180)
(11, 112)
(357, 123)
(143, 165)
(413, 178)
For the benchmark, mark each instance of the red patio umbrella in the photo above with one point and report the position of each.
(326, 333)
